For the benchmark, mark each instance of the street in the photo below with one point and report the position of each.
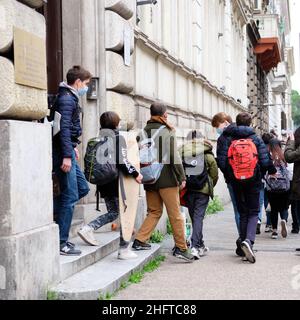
(222, 275)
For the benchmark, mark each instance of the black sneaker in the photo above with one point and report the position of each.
(69, 250)
(298, 249)
(239, 252)
(274, 235)
(258, 228)
(295, 231)
(184, 255)
(138, 245)
(248, 251)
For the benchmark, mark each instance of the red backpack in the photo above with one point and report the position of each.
(243, 158)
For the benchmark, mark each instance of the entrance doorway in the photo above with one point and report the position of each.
(52, 10)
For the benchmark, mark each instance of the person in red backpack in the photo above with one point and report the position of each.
(246, 163)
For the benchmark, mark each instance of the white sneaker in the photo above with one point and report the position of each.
(284, 231)
(126, 254)
(195, 253)
(86, 233)
(203, 251)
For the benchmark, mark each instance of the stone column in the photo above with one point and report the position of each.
(29, 244)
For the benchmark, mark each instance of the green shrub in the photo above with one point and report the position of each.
(156, 237)
(169, 227)
(214, 206)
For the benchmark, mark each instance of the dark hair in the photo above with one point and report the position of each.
(274, 133)
(244, 119)
(276, 152)
(109, 120)
(297, 138)
(158, 109)
(77, 72)
(194, 134)
(266, 137)
(220, 118)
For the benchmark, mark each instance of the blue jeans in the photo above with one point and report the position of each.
(73, 187)
(261, 204)
(235, 209)
(112, 205)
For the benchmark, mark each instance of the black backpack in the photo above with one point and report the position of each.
(100, 166)
(196, 172)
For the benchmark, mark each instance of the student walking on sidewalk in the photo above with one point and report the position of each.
(292, 155)
(202, 175)
(166, 188)
(278, 189)
(247, 162)
(224, 126)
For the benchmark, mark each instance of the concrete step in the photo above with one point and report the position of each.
(75, 226)
(105, 276)
(109, 243)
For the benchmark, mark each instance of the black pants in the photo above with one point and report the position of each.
(247, 198)
(295, 209)
(197, 204)
(279, 205)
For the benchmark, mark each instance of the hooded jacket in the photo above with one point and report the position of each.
(292, 155)
(172, 174)
(67, 104)
(234, 132)
(197, 147)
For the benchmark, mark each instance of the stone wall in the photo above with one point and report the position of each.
(29, 243)
(24, 103)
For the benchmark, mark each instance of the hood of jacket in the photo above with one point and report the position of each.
(195, 147)
(64, 86)
(242, 132)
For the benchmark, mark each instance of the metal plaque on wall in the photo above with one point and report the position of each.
(30, 60)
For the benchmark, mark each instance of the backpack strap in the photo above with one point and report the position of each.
(122, 189)
(145, 135)
(158, 132)
(98, 199)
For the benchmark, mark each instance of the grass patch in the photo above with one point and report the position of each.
(157, 237)
(154, 264)
(169, 227)
(108, 296)
(214, 206)
(51, 295)
(136, 277)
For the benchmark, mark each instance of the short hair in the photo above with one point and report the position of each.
(220, 118)
(244, 119)
(267, 137)
(158, 109)
(77, 72)
(194, 134)
(109, 120)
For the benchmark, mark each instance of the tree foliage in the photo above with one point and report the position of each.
(296, 107)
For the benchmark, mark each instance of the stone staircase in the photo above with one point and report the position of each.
(97, 271)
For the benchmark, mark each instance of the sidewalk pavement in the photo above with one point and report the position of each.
(222, 275)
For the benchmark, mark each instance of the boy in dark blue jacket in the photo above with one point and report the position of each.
(72, 183)
(246, 192)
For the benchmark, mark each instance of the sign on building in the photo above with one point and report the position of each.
(30, 60)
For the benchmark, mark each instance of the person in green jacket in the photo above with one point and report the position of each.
(165, 191)
(201, 180)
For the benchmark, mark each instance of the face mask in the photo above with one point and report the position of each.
(83, 91)
(220, 131)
